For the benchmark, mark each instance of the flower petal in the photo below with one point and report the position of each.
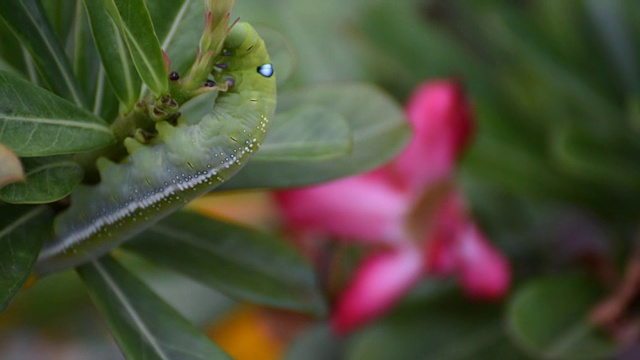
(484, 272)
(364, 208)
(377, 285)
(456, 245)
(442, 124)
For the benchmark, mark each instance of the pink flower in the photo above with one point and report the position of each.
(397, 270)
(410, 206)
(342, 208)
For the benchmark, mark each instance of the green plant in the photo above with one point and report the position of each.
(77, 90)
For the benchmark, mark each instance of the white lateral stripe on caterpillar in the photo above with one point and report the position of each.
(147, 201)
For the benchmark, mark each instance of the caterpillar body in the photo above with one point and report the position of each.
(179, 164)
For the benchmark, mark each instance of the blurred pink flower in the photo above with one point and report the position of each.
(410, 206)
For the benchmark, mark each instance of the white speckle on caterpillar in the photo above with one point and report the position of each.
(146, 201)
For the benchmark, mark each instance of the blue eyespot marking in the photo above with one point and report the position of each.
(266, 70)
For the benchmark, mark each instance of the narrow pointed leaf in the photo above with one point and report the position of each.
(377, 123)
(105, 101)
(308, 133)
(242, 263)
(144, 325)
(165, 15)
(26, 19)
(10, 167)
(30, 67)
(179, 30)
(10, 51)
(58, 13)
(116, 60)
(34, 122)
(48, 179)
(83, 52)
(134, 23)
(23, 229)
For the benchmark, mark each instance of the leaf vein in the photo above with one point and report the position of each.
(23, 219)
(65, 76)
(144, 331)
(52, 121)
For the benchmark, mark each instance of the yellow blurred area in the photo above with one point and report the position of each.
(246, 335)
(251, 208)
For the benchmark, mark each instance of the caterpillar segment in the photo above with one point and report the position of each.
(179, 164)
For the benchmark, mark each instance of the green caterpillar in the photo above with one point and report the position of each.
(179, 164)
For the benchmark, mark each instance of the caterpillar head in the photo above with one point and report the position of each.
(241, 40)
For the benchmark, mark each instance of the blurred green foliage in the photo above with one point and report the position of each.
(552, 175)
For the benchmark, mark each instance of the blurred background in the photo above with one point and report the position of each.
(551, 176)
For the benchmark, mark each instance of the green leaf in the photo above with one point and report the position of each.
(30, 67)
(11, 51)
(26, 19)
(23, 229)
(179, 30)
(166, 15)
(48, 179)
(443, 327)
(306, 133)
(144, 326)
(237, 261)
(57, 13)
(198, 303)
(83, 52)
(134, 22)
(116, 60)
(377, 123)
(10, 167)
(105, 102)
(552, 325)
(34, 122)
